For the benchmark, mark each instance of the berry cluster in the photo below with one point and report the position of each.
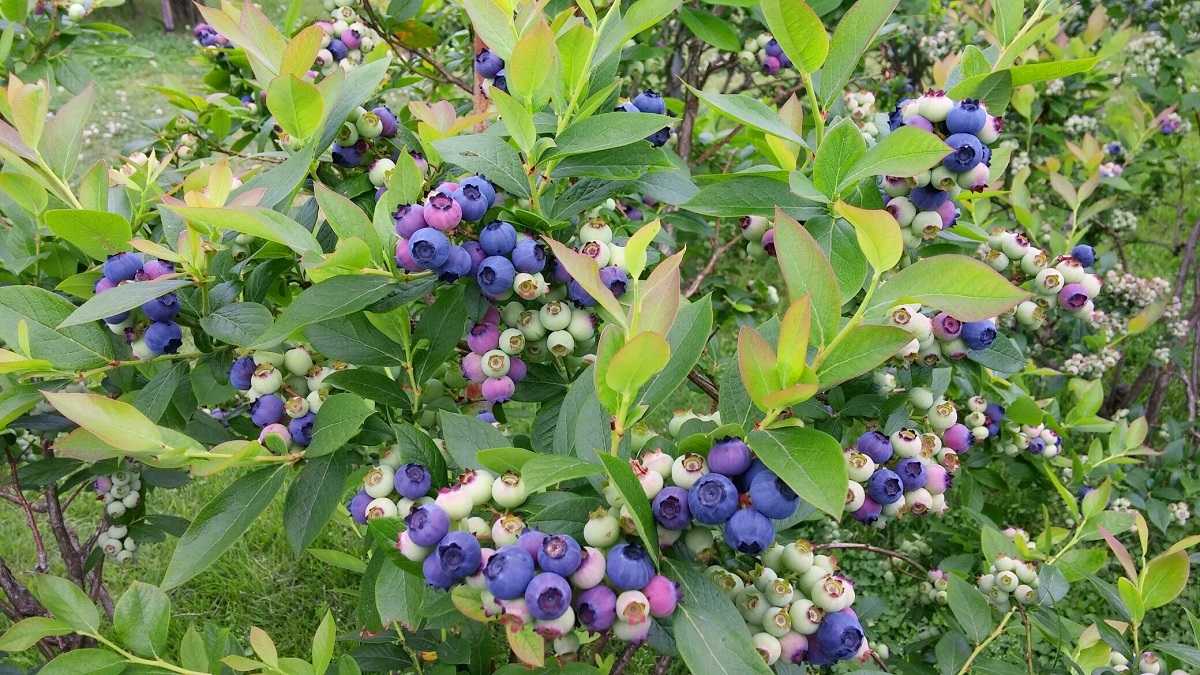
(1065, 283)
(940, 335)
(1036, 440)
(360, 142)
(285, 390)
(116, 543)
(162, 335)
(649, 101)
(490, 66)
(797, 605)
(345, 38)
(1148, 664)
(121, 492)
(771, 55)
(530, 577)
(207, 36)
(934, 590)
(1007, 579)
(925, 203)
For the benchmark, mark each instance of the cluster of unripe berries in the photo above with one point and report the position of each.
(1148, 663)
(766, 52)
(924, 205)
(940, 335)
(120, 491)
(797, 605)
(649, 101)
(934, 589)
(162, 335)
(1036, 440)
(345, 38)
(1063, 283)
(909, 472)
(526, 577)
(358, 142)
(285, 390)
(1009, 579)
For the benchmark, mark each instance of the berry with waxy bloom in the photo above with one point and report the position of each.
(629, 566)
(241, 372)
(748, 531)
(508, 572)
(560, 554)
(729, 456)
(488, 64)
(357, 506)
(495, 275)
(266, 410)
(412, 481)
(429, 248)
(590, 572)
(840, 635)
(663, 596)
(670, 508)
(602, 529)
(875, 445)
(301, 428)
(687, 469)
(459, 554)
(122, 266)
(548, 596)
(441, 211)
(712, 499)
(596, 608)
(427, 524)
(772, 497)
(163, 337)
(979, 334)
(435, 573)
(885, 487)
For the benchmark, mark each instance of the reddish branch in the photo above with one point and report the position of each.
(43, 563)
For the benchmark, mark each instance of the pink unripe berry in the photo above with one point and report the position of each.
(663, 595)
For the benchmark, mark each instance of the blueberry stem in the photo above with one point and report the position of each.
(818, 118)
(850, 325)
(873, 549)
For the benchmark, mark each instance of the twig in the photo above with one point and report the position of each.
(626, 656)
(873, 549)
(1028, 642)
(377, 24)
(710, 265)
(718, 144)
(879, 662)
(43, 564)
(705, 385)
(22, 600)
(68, 548)
(661, 664)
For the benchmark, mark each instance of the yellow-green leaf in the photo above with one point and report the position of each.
(1164, 579)
(635, 248)
(117, 423)
(793, 341)
(533, 59)
(799, 31)
(878, 234)
(584, 271)
(296, 105)
(639, 360)
(756, 364)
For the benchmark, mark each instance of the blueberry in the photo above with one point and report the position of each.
(979, 334)
(154, 268)
(958, 438)
(560, 554)
(885, 487)
(840, 635)
(427, 524)
(460, 554)
(441, 211)
(529, 256)
(531, 541)
(671, 508)
(122, 266)
(338, 49)
(912, 473)
(488, 64)
(772, 497)
(712, 499)
(429, 248)
(435, 573)
(500, 81)
(650, 101)
(458, 264)
(358, 507)
(240, 373)
(875, 445)
(968, 117)
(967, 151)
(868, 512)
(388, 118)
(1086, 255)
(596, 608)
(472, 201)
(743, 481)
(266, 410)
(660, 137)
(578, 295)
(495, 276)
(474, 250)
(615, 278)
(628, 566)
(508, 572)
(484, 186)
(164, 337)
(498, 238)
(413, 481)
(729, 456)
(548, 595)
(927, 197)
(348, 155)
(773, 48)
(301, 428)
(162, 308)
(408, 218)
(749, 531)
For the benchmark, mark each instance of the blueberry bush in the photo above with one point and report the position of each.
(732, 336)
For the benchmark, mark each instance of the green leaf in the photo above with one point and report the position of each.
(256, 222)
(221, 522)
(64, 133)
(96, 233)
(756, 364)
(809, 461)
(15, 10)
(851, 38)
(970, 608)
(907, 151)
(488, 155)
(323, 643)
(1129, 595)
(493, 25)
(542, 471)
(142, 618)
(807, 271)
(748, 195)
(238, 323)
(687, 339)
(842, 147)
(799, 32)
(341, 418)
(621, 477)
(711, 29)
(794, 331)
(878, 234)
(863, 348)
(607, 130)
(330, 299)
(115, 422)
(25, 633)
(624, 163)
(26, 192)
(313, 497)
(296, 105)
(1050, 70)
(41, 311)
(123, 297)
(517, 119)
(339, 559)
(66, 601)
(399, 595)
(966, 288)
(638, 360)
(994, 89)
(85, 662)
(1164, 579)
(750, 112)
(643, 14)
(441, 326)
(1008, 17)
(533, 60)
(371, 385)
(501, 460)
(354, 340)
(1004, 356)
(348, 220)
(710, 635)
(1185, 653)
(587, 274)
(466, 435)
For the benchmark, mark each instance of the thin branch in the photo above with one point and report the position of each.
(710, 265)
(67, 546)
(43, 563)
(662, 664)
(873, 549)
(377, 25)
(705, 385)
(720, 143)
(625, 658)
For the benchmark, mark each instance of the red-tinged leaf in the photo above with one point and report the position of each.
(660, 299)
(794, 332)
(585, 271)
(756, 364)
(1121, 552)
(797, 393)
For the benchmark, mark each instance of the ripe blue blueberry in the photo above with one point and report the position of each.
(660, 137)
(1086, 255)
(388, 118)
(596, 608)
(743, 481)
(474, 250)
(301, 428)
(349, 155)
(164, 337)
(560, 554)
(712, 499)
(435, 574)
(875, 445)
(869, 512)
(529, 256)
(266, 410)
(578, 295)
(927, 197)
(670, 507)
(498, 238)
(484, 185)
(508, 572)
(162, 308)
(408, 219)
(458, 264)
(729, 456)
(840, 635)
(473, 202)
(460, 554)
(240, 373)
(772, 497)
(912, 473)
(495, 275)
(338, 49)
(628, 566)
(427, 524)
(413, 481)
(429, 248)
(358, 506)
(488, 64)
(968, 117)
(500, 81)
(885, 487)
(967, 151)
(122, 266)
(650, 101)
(773, 48)
(615, 278)
(548, 595)
(749, 531)
(978, 334)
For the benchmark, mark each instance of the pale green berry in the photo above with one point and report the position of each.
(555, 315)
(768, 647)
(920, 398)
(560, 343)
(511, 313)
(582, 326)
(495, 363)
(531, 325)
(508, 490)
(512, 341)
(597, 231)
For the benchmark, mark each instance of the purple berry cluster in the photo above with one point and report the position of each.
(162, 335)
(361, 142)
(285, 390)
(207, 36)
(940, 335)
(345, 40)
(1063, 283)
(924, 205)
(546, 580)
(490, 67)
(773, 59)
(649, 101)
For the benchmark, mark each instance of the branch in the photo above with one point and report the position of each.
(623, 660)
(710, 265)
(873, 549)
(43, 564)
(67, 546)
(377, 25)
(705, 385)
(662, 664)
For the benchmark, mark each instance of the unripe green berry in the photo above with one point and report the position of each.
(555, 315)
(560, 343)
